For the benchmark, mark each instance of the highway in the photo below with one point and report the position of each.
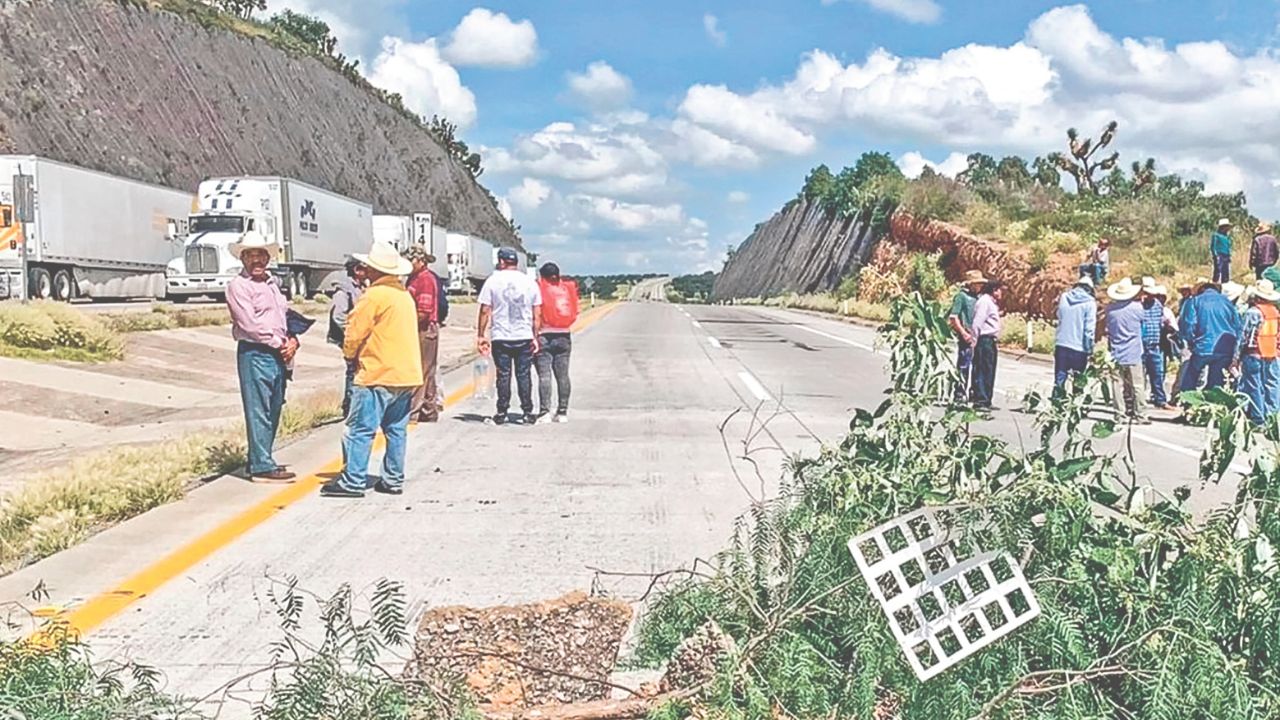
(641, 480)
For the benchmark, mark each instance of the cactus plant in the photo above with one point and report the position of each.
(1081, 165)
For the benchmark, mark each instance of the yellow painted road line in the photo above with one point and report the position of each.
(97, 610)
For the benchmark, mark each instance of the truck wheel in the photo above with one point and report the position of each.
(40, 284)
(178, 299)
(63, 287)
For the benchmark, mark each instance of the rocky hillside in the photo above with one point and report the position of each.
(153, 96)
(801, 249)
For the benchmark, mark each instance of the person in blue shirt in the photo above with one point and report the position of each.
(1210, 325)
(1077, 326)
(1220, 248)
(1124, 338)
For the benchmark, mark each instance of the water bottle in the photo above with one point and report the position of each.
(482, 378)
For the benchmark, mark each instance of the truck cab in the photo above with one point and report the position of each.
(227, 209)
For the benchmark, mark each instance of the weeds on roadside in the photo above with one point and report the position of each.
(47, 330)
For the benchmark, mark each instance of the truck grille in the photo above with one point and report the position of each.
(202, 259)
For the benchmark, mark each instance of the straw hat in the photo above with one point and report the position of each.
(1204, 282)
(1224, 222)
(419, 252)
(1263, 227)
(1150, 287)
(1265, 290)
(1233, 290)
(384, 258)
(253, 241)
(974, 277)
(1123, 290)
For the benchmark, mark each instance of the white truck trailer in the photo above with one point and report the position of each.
(86, 234)
(471, 262)
(405, 230)
(315, 228)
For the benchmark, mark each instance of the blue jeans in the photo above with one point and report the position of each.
(373, 408)
(1221, 268)
(985, 354)
(262, 384)
(1066, 362)
(964, 366)
(520, 354)
(1195, 367)
(1260, 381)
(1153, 364)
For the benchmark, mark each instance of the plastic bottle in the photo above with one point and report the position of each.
(482, 378)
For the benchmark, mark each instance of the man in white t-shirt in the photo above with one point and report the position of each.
(510, 304)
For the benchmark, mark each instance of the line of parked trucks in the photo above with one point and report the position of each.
(87, 234)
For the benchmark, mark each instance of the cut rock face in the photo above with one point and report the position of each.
(559, 651)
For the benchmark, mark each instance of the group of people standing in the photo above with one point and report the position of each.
(1222, 332)
(386, 316)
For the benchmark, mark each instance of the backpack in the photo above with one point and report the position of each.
(442, 302)
(559, 303)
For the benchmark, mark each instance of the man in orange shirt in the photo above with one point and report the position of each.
(559, 312)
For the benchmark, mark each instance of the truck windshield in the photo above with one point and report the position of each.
(217, 224)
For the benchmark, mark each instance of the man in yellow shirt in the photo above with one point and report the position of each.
(382, 340)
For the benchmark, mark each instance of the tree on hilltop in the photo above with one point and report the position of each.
(1081, 165)
(310, 31)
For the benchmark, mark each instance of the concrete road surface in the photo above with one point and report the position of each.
(638, 481)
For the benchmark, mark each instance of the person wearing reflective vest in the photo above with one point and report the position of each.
(1256, 352)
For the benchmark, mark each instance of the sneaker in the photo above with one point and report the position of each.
(561, 417)
(386, 489)
(529, 419)
(335, 490)
(544, 417)
(500, 419)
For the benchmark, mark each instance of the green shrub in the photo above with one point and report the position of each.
(848, 287)
(1039, 255)
(982, 219)
(52, 330)
(925, 276)
(1014, 334)
(139, 321)
(937, 197)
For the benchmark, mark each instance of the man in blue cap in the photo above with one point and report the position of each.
(511, 307)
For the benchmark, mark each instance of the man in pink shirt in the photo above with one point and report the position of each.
(263, 350)
(986, 328)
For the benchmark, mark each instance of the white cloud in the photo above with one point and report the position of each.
(711, 24)
(913, 163)
(630, 216)
(738, 197)
(915, 11)
(490, 39)
(358, 26)
(604, 158)
(504, 207)
(703, 147)
(600, 87)
(428, 84)
(529, 194)
(759, 124)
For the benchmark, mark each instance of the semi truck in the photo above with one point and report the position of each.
(315, 228)
(86, 234)
(416, 229)
(471, 261)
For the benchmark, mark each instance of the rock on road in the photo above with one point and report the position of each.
(638, 481)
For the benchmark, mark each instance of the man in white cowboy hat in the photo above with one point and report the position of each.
(961, 321)
(1155, 319)
(264, 349)
(1255, 353)
(1264, 252)
(1077, 328)
(1209, 324)
(382, 339)
(1124, 338)
(1220, 249)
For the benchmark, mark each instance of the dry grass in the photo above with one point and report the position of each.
(64, 506)
(46, 330)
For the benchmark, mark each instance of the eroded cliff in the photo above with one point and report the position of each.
(153, 96)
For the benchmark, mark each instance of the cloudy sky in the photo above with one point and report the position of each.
(650, 135)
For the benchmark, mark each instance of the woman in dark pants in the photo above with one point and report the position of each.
(559, 311)
(986, 327)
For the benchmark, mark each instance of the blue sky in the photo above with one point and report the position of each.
(648, 136)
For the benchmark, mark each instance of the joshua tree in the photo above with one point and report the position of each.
(1144, 174)
(1081, 164)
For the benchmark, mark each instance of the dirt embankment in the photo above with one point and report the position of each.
(1031, 292)
(801, 249)
(150, 95)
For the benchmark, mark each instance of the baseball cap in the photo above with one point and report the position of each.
(507, 255)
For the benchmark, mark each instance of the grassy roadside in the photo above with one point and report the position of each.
(66, 505)
(1014, 336)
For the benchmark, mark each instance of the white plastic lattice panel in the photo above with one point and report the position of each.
(944, 602)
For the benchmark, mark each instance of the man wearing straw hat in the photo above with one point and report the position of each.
(1156, 318)
(961, 321)
(1077, 327)
(1220, 249)
(382, 339)
(1124, 337)
(425, 291)
(1263, 253)
(1255, 354)
(1210, 325)
(264, 348)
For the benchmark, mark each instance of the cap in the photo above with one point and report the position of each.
(549, 270)
(507, 255)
